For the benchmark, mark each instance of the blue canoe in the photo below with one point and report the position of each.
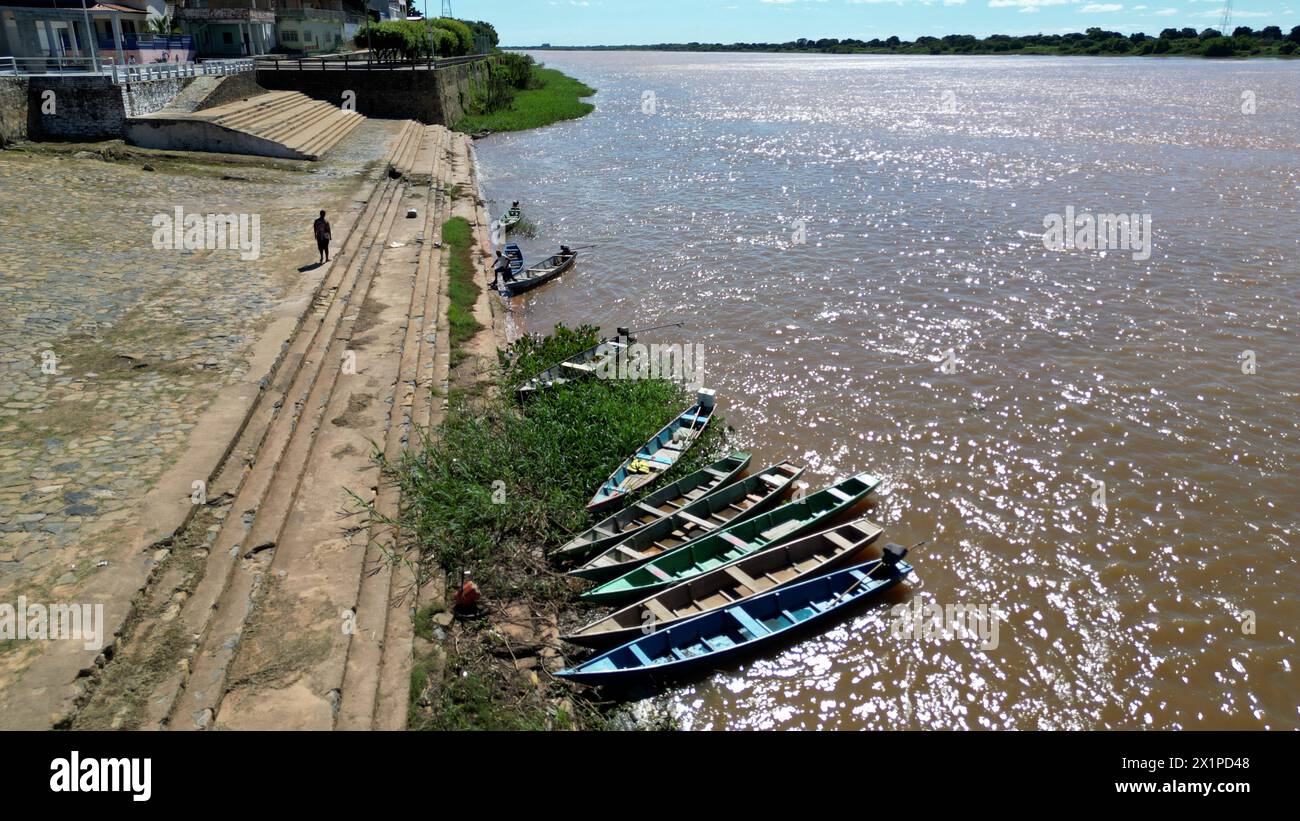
(655, 457)
(708, 641)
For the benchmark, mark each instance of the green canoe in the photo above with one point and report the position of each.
(725, 546)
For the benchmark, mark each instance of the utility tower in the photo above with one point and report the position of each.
(1225, 21)
(446, 8)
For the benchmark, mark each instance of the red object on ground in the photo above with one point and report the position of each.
(467, 595)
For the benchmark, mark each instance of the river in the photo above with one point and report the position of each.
(1100, 444)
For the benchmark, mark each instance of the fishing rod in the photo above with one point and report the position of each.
(656, 328)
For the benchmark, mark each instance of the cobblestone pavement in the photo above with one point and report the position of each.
(139, 339)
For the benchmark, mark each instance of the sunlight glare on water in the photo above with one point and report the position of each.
(830, 227)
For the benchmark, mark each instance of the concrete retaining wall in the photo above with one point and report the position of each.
(436, 97)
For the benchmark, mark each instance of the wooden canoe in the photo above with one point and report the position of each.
(511, 218)
(664, 501)
(725, 546)
(730, 505)
(656, 456)
(581, 365)
(720, 635)
(535, 275)
(768, 569)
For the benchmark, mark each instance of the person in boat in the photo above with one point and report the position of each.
(566, 250)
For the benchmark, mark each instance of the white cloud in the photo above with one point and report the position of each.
(1004, 4)
(1166, 12)
(1101, 8)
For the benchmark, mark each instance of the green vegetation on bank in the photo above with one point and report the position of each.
(462, 289)
(519, 94)
(503, 481)
(1243, 42)
(495, 487)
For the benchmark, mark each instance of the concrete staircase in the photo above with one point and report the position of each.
(283, 124)
(293, 616)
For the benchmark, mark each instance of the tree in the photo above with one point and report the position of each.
(1270, 33)
(1243, 31)
(1294, 36)
(1218, 47)
(1210, 34)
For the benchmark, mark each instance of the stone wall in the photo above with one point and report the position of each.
(13, 110)
(74, 108)
(94, 108)
(434, 97)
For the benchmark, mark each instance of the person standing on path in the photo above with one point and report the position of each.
(322, 229)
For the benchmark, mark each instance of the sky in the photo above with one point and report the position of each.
(623, 22)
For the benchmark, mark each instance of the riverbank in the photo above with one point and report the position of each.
(552, 97)
(490, 494)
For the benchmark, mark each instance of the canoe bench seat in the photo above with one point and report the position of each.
(772, 480)
(581, 367)
(838, 494)
(658, 611)
(838, 540)
(782, 530)
(731, 538)
(742, 578)
(747, 621)
(695, 520)
(658, 574)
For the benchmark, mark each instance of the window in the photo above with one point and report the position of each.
(227, 38)
(289, 36)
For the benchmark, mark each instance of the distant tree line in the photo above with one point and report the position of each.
(1243, 42)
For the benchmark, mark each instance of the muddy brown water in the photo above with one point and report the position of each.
(829, 228)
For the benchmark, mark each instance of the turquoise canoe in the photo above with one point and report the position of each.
(655, 457)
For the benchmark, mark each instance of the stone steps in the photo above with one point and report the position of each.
(278, 123)
(376, 683)
(217, 612)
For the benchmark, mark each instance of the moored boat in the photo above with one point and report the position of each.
(725, 546)
(657, 455)
(730, 505)
(512, 217)
(725, 633)
(534, 275)
(662, 502)
(580, 365)
(769, 568)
